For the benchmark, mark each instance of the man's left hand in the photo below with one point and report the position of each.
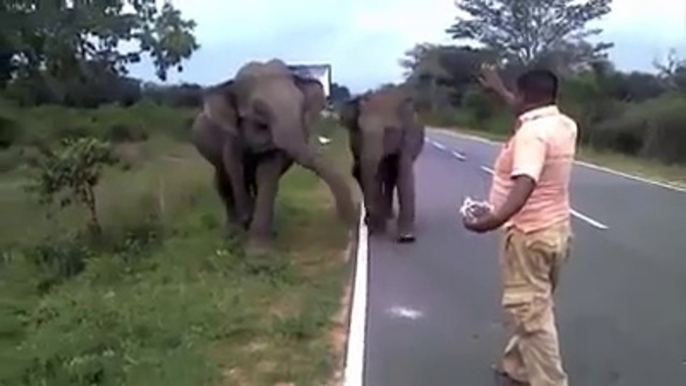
(486, 222)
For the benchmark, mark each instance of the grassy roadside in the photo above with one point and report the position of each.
(670, 174)
(164, 299)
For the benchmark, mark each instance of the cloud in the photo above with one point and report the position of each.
(364, 39)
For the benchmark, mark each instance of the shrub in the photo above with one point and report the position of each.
(624, 134)
(71, 173)
(57, 259)
(9, 132)
(653, 129)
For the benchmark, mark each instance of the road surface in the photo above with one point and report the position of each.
(432, 315)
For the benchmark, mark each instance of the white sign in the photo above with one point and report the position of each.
(320, 72)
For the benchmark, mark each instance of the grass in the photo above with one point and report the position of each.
(164, 299)
(670, 174)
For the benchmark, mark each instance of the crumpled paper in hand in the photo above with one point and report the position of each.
(470, 206)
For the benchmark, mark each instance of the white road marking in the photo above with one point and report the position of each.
(589, 220)
(632, 177)
(575, 213)
(439, 145)
(404, 312)
(459, 155)
(354, 363)
(670, 186)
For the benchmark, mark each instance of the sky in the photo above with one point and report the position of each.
(364, 39)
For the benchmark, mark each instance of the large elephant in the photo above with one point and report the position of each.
(251, 129)
(385, 140)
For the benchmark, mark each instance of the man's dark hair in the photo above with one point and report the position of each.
(538, 86)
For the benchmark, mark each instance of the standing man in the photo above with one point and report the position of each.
(530, 197)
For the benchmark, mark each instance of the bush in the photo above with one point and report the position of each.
(666, 135)
(70, 175)
(624, 134)
(653, 129)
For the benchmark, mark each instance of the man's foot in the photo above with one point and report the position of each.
(505, 379)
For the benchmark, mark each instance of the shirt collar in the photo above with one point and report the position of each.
(538, 112)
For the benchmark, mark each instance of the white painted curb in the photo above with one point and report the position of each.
(354, 363)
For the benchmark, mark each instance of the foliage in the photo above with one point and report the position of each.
(339, 93)
(70, 39)
(70, 175)
(529, 30)
(635, 113)
(166, 300)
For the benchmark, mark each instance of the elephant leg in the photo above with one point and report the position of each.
(371, 188)
(268, 173)
(375, 202)
(236, 170)
(357, 174)
(223, 186)
(406, 200)
(389, 177)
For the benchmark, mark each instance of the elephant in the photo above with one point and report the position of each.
(385, 138)
(252, 129)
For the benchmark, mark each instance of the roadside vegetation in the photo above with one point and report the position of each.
(157, 295)
(631, 121)
(115, 268)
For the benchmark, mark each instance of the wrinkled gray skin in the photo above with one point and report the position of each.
(252, 129)
(385, 140)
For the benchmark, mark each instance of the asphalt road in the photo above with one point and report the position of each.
(433, 317)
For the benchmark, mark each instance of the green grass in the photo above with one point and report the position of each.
(164, 298)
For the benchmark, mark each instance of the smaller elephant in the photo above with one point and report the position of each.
(386, 138)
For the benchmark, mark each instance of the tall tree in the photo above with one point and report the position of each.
(62, 37)
(528, 30)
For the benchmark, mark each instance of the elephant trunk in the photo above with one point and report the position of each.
(296, 146)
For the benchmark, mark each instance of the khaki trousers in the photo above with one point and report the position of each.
(530, 267)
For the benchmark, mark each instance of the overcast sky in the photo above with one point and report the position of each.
(363, 39)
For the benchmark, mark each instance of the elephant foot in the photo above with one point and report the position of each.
(406, 238)
(258, 246)
(406, 235)
(376, 227)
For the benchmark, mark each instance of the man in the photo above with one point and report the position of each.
(530, 197)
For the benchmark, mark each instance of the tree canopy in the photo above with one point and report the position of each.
(64, 39)
(525, 31)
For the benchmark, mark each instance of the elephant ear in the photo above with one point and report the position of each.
(313, 91)
(220, 104)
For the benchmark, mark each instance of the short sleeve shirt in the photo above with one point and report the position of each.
(543, 148)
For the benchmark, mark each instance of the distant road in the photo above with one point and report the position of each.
(432, 315)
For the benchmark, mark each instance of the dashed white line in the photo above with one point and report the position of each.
(589, 220)
(487, 169)
(459, 155)
(439, 145)
(354, 364)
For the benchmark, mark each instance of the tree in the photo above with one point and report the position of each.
(526, 30)
(339, 93)
(673, 71)
(70, 174)
(67, 39)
